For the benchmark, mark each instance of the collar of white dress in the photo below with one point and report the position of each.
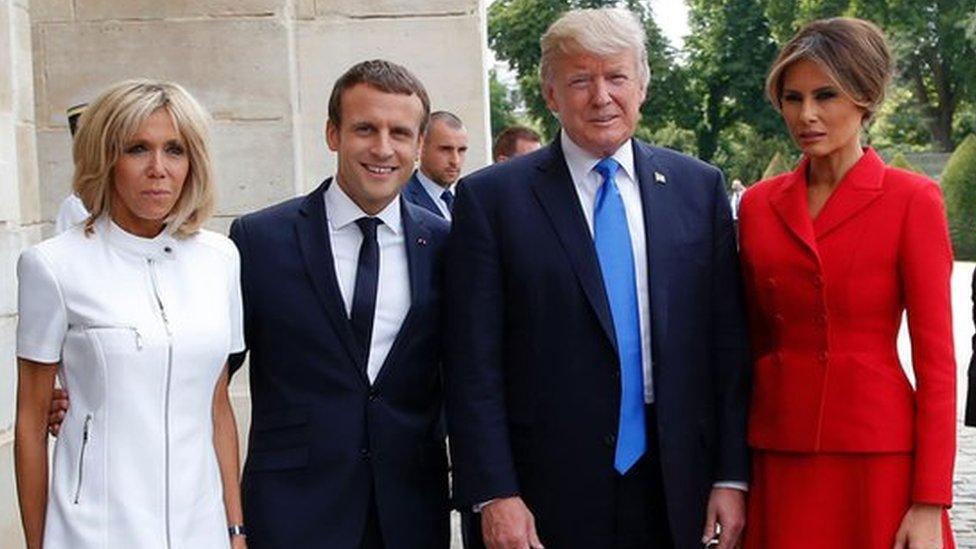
(162, 246)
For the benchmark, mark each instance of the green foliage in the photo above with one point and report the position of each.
(899, 124)
(959, 186)
(671, 136)
(899, 161)
(777, 165)
(730, 49)
(501, 105)
(743, 152)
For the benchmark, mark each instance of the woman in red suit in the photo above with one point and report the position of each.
(846, 453)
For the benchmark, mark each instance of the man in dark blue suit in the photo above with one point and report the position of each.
(341, 300)
(432, 186)
(595, 351)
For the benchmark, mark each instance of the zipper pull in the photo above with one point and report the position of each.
(85, 433)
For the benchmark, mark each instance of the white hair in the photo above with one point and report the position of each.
(603, 32)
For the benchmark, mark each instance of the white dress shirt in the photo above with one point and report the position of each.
(587, 181)
(393, 290)
(435, 191)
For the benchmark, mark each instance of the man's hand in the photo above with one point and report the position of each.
(921, 528)
(59, 407)
(506, 523)
(727, 510)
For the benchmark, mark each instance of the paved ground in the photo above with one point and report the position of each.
(964, 512)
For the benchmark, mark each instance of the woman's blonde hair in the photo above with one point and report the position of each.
(108, 124)
(853, 53)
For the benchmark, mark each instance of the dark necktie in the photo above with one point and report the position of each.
(367, 280)
(448, 198)
(616, 257)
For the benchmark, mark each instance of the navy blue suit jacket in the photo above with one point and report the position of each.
(971, 387)
(321, 437)
(533, 385)
(417, 194)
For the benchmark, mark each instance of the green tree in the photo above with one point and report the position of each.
(730, 49)
(501, 105)
(959, 186)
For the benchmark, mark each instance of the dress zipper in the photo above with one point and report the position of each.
(169, 375)
(81, 457)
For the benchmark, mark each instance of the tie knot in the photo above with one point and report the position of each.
(607, 168)
(368, 226)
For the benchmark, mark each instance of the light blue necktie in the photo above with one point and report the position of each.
(613, 249)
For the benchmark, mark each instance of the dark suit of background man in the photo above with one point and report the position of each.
(971, 395)
(442, 154)
(341, 302)
(596, 359)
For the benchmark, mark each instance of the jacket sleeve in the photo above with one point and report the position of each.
(238, 236)
(729, 341)
(473, 329)
(925, 265)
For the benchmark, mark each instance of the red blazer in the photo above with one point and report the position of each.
(825, 299)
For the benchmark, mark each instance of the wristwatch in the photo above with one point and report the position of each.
(236, 530)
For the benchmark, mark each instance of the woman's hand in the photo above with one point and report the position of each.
(921, 528)
(238, 542)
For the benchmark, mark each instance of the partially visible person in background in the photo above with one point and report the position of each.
(971, 393)
(136, 311)
(442, 154)
(845, 453)
(72, 211)
(515, 141)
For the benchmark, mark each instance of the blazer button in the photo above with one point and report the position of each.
(374, 395)
(364, 453)
(823, 356)
(610, 440)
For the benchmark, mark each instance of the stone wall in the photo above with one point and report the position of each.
(264, 69)
(20, 224)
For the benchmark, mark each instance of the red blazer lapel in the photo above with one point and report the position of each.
(861, 185)
(789, 201)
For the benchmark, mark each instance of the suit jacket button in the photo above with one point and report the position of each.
(364, 453)
(610, 440)
(374, 395)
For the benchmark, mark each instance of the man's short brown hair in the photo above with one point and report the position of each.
(383, 76)
(509, 138)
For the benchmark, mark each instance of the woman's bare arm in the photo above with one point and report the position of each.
(226, 446)
(35, 385)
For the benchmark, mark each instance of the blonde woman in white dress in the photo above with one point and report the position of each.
(135, 311)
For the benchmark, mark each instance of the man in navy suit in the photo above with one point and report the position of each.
(595, 352)
(441, 160)
(341, 300)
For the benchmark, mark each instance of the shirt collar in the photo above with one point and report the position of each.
(433, 189)
(581, 162)
(342, 211)
(161, 246)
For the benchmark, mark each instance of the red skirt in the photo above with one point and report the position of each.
(829, 501)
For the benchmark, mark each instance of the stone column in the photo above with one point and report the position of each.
(20, 218)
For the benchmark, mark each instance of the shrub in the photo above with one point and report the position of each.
(959, 187)
(899, 161)
(777, 165)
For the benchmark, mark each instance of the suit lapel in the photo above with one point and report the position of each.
(557, 195)
(311, 227)
(789, 201)
(416, 238)
(658, 204)
(419, 196)
(860, 186)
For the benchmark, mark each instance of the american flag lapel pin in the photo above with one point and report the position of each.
(659, 178)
